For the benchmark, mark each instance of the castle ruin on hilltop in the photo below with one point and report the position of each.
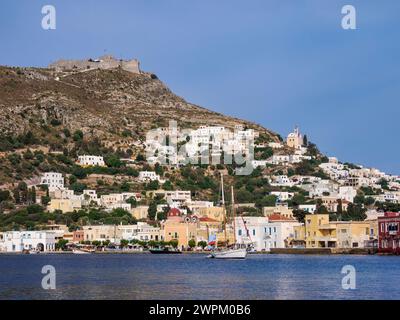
(105, 62)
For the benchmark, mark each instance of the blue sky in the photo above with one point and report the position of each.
(279, 63)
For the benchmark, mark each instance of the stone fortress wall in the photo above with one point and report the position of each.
(104, 62)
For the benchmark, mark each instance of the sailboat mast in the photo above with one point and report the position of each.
(233, 215)
(222, 190)
(223, 207)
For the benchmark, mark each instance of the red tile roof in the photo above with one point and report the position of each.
(207, 219)
(278, 217)
(392, 214)
(174, 212)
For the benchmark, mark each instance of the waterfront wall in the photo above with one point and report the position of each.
(323, 251)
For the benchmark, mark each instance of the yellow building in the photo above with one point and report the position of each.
(373, 227)
(295, 139)
(332, 202)
(64, 205)
(180, 228)
(101, 233)
(140, 212)
(353, 234)
(216, 213)
(299, 236)
(319, 232)
(281, 209)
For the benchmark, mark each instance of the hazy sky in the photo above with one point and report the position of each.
(278, 63)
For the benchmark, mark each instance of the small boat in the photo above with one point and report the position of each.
(229, 253)
(81, 251)
(164, 250)
(112, 249)
(30, 251)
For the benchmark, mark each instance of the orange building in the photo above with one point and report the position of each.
(181, 228)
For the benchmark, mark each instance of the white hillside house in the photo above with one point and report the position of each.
(347, 193)
(145, 176)
(259, 163)
(309, 208)
(388, 196)
(281, 181)
(319, 188)
(118, 200)
(53, 180)
(275, 145)
(177, 198)
(91, 161)
(283, 195)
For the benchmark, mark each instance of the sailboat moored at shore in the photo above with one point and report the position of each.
(236, 250)
(230, 253)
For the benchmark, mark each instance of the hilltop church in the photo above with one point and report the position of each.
(295, 139)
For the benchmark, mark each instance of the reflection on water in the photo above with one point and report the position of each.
(146, 276)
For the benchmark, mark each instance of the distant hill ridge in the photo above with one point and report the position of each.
(103, 97)
(105, 62)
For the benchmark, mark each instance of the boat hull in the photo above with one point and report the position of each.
(75, 251)
(230, 254)
(165, 251)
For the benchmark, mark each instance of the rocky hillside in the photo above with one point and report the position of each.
(103, 103)
(62, 112)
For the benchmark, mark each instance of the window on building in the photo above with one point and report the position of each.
(393, 227)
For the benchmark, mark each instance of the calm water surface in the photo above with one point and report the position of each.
(186, 276)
